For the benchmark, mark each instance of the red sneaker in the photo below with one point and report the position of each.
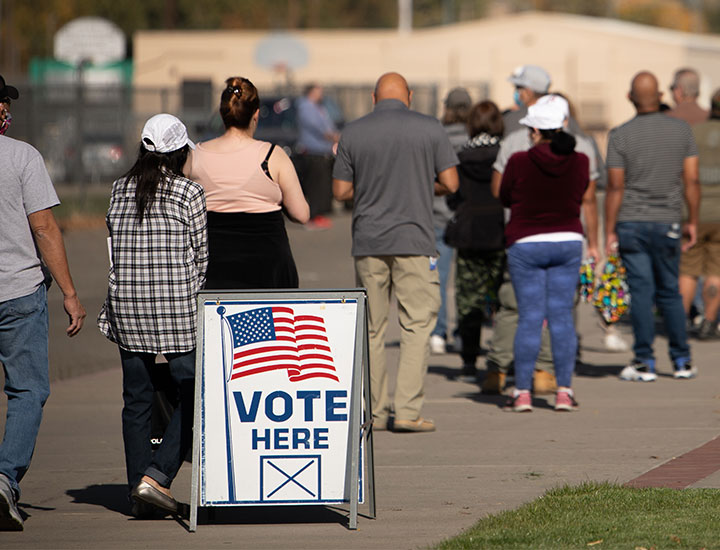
(565, 401)
(319, 223)
(519, 402)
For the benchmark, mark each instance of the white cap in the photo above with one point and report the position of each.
(165, 133)
(547, 113)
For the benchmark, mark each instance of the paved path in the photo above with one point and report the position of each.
(429, 486)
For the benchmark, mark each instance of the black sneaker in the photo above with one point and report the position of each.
(468, 373)
(708, 331)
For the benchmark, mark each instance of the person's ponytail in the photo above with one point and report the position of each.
(561, 143)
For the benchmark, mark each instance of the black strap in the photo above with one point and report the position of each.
(264, 164)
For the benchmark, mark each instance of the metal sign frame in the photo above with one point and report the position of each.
(360, 400)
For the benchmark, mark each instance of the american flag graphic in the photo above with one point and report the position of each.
(274, 338)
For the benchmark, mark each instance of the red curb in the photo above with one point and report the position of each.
(682, 471)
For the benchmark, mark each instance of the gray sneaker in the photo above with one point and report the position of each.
(10, 519)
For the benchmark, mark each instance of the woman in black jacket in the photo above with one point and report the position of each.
(476, 231)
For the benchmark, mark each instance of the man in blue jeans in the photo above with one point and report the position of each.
(27, 227)
(652, 167)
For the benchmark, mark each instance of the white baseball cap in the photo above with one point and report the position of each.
(165, 133)
(547, 113)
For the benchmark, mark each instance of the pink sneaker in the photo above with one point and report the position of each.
(565, 401)
(519, 402)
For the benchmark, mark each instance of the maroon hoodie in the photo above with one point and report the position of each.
(543, 191)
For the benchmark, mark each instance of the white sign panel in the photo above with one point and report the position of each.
(276, 401)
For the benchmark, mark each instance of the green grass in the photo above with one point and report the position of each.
(599, 517)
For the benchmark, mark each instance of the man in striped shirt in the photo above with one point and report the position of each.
(652, 166)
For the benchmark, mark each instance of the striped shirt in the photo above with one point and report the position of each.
(651, 148)
(157, 268)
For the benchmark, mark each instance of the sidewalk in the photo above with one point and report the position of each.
(429, 486)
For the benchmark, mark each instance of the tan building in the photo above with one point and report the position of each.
(590, 59)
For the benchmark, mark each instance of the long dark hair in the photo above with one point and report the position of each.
(149, 175)
(561, 143)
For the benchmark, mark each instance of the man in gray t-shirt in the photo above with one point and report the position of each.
(27, 232)
(652, 166)
(389, 162)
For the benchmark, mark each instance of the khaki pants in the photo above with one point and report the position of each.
(417, 289)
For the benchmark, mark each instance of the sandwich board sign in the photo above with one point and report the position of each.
(281, 398)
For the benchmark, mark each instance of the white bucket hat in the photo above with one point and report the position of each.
(165, 133)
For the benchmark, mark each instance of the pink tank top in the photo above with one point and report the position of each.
(234, 181)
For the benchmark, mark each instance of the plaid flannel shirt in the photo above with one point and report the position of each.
(157, 268)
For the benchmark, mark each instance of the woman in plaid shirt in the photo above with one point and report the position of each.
(158, 231)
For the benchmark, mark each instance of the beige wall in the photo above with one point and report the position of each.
(591, 59)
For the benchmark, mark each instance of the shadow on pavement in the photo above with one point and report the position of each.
(114, 497)
(239, 515)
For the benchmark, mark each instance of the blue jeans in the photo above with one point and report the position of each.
(24, 355)
(651, 254)
(545, 276)
(164, 463)
(444, 262)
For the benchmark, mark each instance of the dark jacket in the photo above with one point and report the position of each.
(478, 221)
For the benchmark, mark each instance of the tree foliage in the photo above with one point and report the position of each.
(28, 26)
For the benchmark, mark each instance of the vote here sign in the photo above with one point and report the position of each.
(277, 383)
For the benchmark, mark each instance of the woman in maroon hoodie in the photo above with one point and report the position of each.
(543, 188)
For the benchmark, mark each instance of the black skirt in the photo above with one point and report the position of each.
(249, 251)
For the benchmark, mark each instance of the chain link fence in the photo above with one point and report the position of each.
(91, 134)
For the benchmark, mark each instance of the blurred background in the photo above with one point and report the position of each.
(90, 72)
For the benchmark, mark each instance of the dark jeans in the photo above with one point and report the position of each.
(651, 254)
(544, 276)
(164, 463)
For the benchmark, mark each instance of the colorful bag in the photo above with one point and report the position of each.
(611, 296)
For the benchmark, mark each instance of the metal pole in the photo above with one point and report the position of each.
(405, 12)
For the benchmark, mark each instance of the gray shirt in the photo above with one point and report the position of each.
(25, 188)
(651, 148)
(458, 136)
(393, 156)
(519, 140)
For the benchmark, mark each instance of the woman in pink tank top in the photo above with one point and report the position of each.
(248, 184)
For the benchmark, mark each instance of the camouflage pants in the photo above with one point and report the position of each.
(478, 276)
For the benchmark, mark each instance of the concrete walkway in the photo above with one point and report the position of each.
(429, 486)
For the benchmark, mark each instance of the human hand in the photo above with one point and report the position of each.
(76, 313)
(611, 244)
(690, 233)
(593, 254)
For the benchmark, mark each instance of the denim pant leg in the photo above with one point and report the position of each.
(24, 355)
(635, 246)
(666, 251)
(562, 281)
(177, 438)
(136, 413)
(529, 282)
(444, 262)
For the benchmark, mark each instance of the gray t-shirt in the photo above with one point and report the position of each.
(393, 156)
(519, 140)
(651, 148)
(25, 188)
